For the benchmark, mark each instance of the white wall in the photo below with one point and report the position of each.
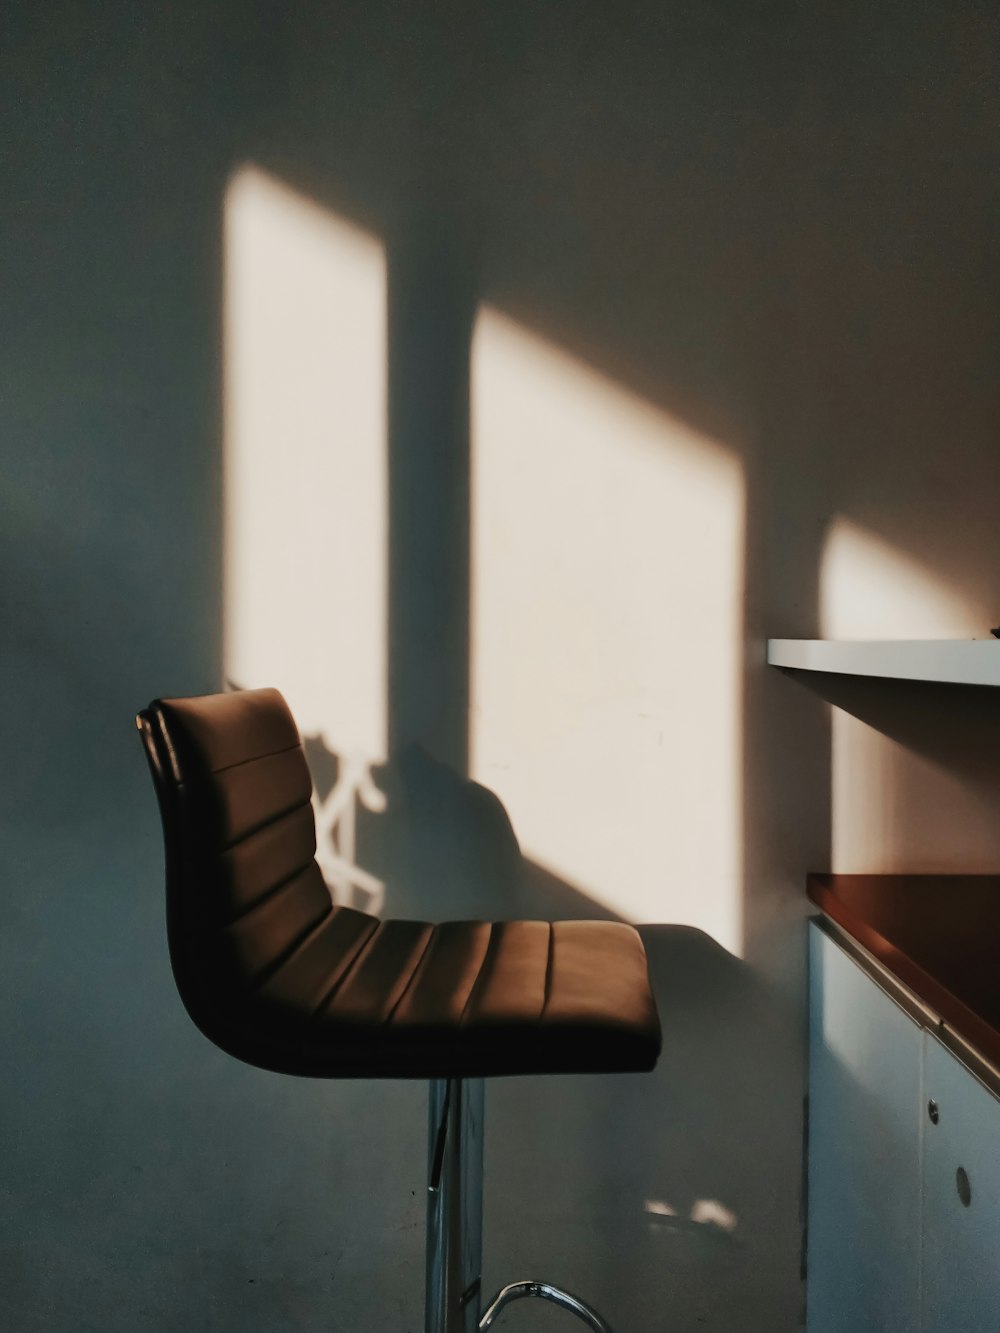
(754, 239)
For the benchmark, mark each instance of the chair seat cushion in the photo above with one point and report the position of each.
(358, 997)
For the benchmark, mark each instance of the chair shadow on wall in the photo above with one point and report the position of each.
(412, 836)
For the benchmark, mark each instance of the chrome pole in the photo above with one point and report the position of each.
(454, 1205)
(455, 1221)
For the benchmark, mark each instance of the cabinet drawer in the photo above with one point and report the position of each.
(961, 1242)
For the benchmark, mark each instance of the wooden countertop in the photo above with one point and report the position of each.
(939, 934)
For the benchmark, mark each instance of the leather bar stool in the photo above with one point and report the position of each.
(275, 974)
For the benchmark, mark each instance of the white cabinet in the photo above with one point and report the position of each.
(864, 1152)
(892, 1247)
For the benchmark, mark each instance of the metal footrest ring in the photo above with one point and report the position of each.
(514, 1291)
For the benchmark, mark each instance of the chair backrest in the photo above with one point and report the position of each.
(243, 886)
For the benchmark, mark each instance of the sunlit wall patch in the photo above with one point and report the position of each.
(607, 574)
(870, 589)
(711, 1213)
(305, 474)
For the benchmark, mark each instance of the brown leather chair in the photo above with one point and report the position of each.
(275, 974)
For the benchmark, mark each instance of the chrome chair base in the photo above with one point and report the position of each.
(516, 1290)
(455, 1221)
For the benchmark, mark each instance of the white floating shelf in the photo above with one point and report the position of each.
(951, 661)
